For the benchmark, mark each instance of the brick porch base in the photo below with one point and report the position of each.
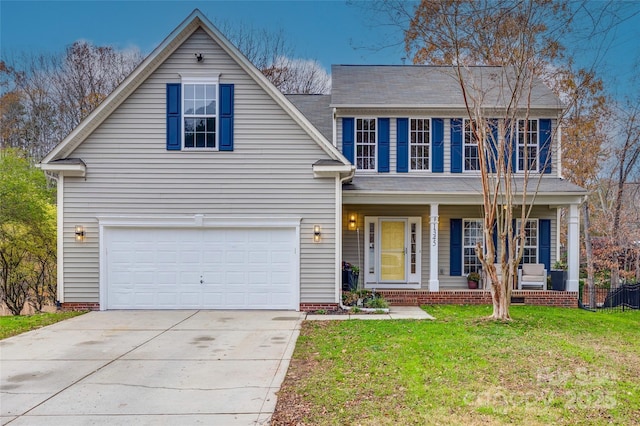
(566, 299)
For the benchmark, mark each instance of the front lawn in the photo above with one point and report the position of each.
(12, 325)
(548, 366)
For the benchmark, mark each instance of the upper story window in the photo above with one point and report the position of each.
(472, 235)
(365, 143)
(470, 147)
(199, 112)
(528, 145)
(420, 142)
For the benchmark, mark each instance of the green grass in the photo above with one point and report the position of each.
(12, 325)
(548, 366)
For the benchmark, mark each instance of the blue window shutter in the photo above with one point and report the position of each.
(545, 145)
(402, 160)
(544, 245)
(456, 145)
(348, 133)
(493, 145)
(512, 144)
(174, 136)
(455, 247)
(226, 117)
(437, 138)
(383, 145)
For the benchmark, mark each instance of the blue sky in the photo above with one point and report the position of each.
(331, 31)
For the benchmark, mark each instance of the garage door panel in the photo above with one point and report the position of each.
(163, 268)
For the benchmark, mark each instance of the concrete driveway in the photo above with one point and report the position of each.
(148, 367)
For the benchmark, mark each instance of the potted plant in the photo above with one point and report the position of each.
(559, 276)
(473, 279)
(353, 278)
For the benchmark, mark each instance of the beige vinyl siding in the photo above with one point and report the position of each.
(269, 173)
(351, 239)
(393, 115)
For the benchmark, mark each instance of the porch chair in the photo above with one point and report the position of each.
(532, 275)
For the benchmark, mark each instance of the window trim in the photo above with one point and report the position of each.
(375, 145)
(200, 80)
(537, 244)
(464, 246)
(464, 151)
(429, 146)
(536, 145)
(372, 276)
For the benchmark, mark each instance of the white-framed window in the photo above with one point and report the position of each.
(528, 135)
(392, 252)
(471, 160)
(419, 143)
(366, 143)
(472, 234)
(199, 113)
(530, 241)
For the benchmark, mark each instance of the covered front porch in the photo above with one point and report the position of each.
(412, 245)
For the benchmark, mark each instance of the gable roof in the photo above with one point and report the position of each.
(317, 109)
(423, 86)
(194, 21)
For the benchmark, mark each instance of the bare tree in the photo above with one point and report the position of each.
(273, 55)
(45, 96)
(517, 39)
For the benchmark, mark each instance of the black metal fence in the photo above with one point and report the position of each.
(612, 299)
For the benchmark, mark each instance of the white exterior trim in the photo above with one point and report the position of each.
(60, 238)
(196, 221)
(434, 245)
(67, 169)
(573, 248)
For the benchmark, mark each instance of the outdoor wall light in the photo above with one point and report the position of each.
(316, 233)
(199, 57)
(352, 225)
(79, 233)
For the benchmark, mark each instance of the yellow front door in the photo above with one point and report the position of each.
(392, 250)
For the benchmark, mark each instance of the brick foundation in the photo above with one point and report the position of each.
(80, 306)
(565, 299)
(311, 307)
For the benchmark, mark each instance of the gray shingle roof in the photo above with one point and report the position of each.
(317, 110)
(423, 86)
(462, 185)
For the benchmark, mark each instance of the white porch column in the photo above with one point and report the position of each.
(573, 248)
(434, 282)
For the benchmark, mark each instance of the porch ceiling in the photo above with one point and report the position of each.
(460, 190)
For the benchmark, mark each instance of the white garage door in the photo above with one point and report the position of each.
(239, 268)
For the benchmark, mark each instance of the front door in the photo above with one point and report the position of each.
(393, 251)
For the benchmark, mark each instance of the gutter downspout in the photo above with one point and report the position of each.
(59, 235)
(339, 183)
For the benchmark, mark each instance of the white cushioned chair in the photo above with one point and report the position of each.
(532, 275)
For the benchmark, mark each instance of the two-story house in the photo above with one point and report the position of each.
(412, 213)
(198, 185)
